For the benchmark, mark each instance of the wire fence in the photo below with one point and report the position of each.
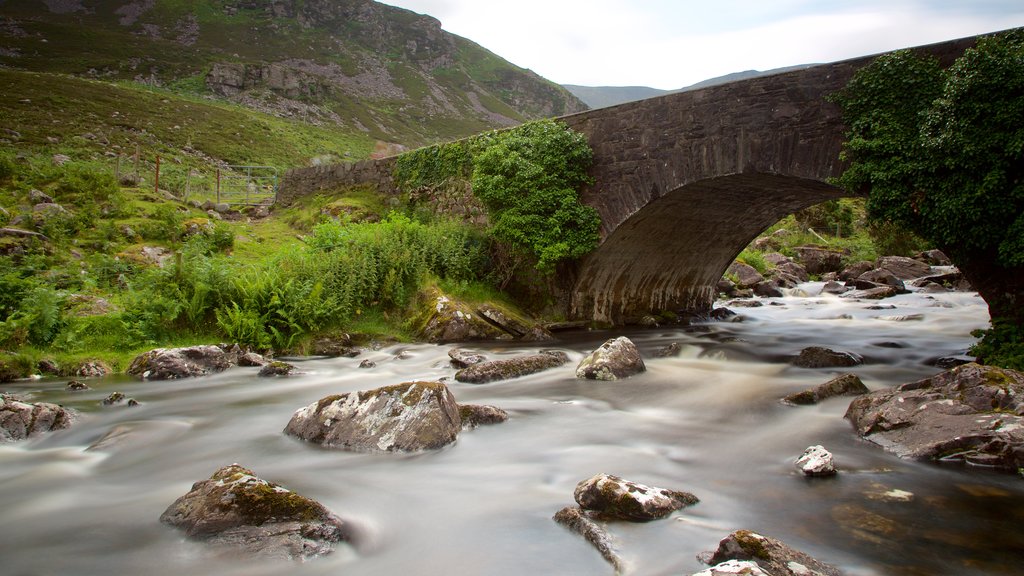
(232, 185)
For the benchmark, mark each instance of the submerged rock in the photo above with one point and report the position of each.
(579, 521)
(771, 555)
(402, 418)
(515, 367)
(616, 358)
(971, 413)
(818, 357)
(669, 350)
(171, 363)
(117, 399)
(235, 508)
(20, 420)
(276, 368)
(462, 358)
(474, 415)
(842, 385)
(617, 499)
(76, 386)
(816, 461)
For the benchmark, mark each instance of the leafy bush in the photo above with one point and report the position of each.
(1001, 345)
(835, 217)
(36, 321)
(754, 259)
(529, 179)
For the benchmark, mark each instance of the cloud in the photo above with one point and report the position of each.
(671, 44)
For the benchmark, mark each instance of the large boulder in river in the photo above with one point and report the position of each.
(904, 268)
(971, 413)
(234, 508)
(771, 555)
(617, 499)
(818, 357)
(20, 420)
(404, 417)
(616, 358)
(171, 363)
(842, 385)
(507, 368)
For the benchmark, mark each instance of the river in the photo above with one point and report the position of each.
(708, 421)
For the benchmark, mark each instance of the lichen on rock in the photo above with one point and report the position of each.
(618, 499)
(20, 420)
(236, 508)
(405, 417)
(616, 358)
(522, 365)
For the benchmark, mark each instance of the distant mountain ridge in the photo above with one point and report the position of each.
(360, 65)
(603, 96)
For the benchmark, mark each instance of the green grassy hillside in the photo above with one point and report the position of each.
(371, 69)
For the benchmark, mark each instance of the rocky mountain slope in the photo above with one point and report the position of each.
(381, 71)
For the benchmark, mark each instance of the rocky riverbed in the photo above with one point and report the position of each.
(706, 417)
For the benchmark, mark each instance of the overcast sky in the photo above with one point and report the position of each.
(674, 43)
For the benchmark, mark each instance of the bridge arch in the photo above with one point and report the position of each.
(670, 254)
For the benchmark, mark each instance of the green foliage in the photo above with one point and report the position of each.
(942, 152)
(835, 217)
(529, 179)
(7, 167)
(36, 321)
(433, 165)
(1001, 345)
(754, 259)
(891, 239)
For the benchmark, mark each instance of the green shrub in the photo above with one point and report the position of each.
(529, 179)
(754, 259)
(1002, 345)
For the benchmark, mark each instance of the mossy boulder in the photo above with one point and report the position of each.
(507, 368)
(842, 385)
(171, 363)
(237, 509)
(617, 499)
(20, 420)
(819, 357)
(615, 359)
(474, 415)
(972, 413)
(276, 368)
(406, 417)
(771, 555)
(448, 320)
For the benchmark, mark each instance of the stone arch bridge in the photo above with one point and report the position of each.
(683, 182)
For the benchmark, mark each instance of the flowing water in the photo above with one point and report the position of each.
(708, 422)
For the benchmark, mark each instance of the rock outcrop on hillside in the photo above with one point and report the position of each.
(364, 65)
